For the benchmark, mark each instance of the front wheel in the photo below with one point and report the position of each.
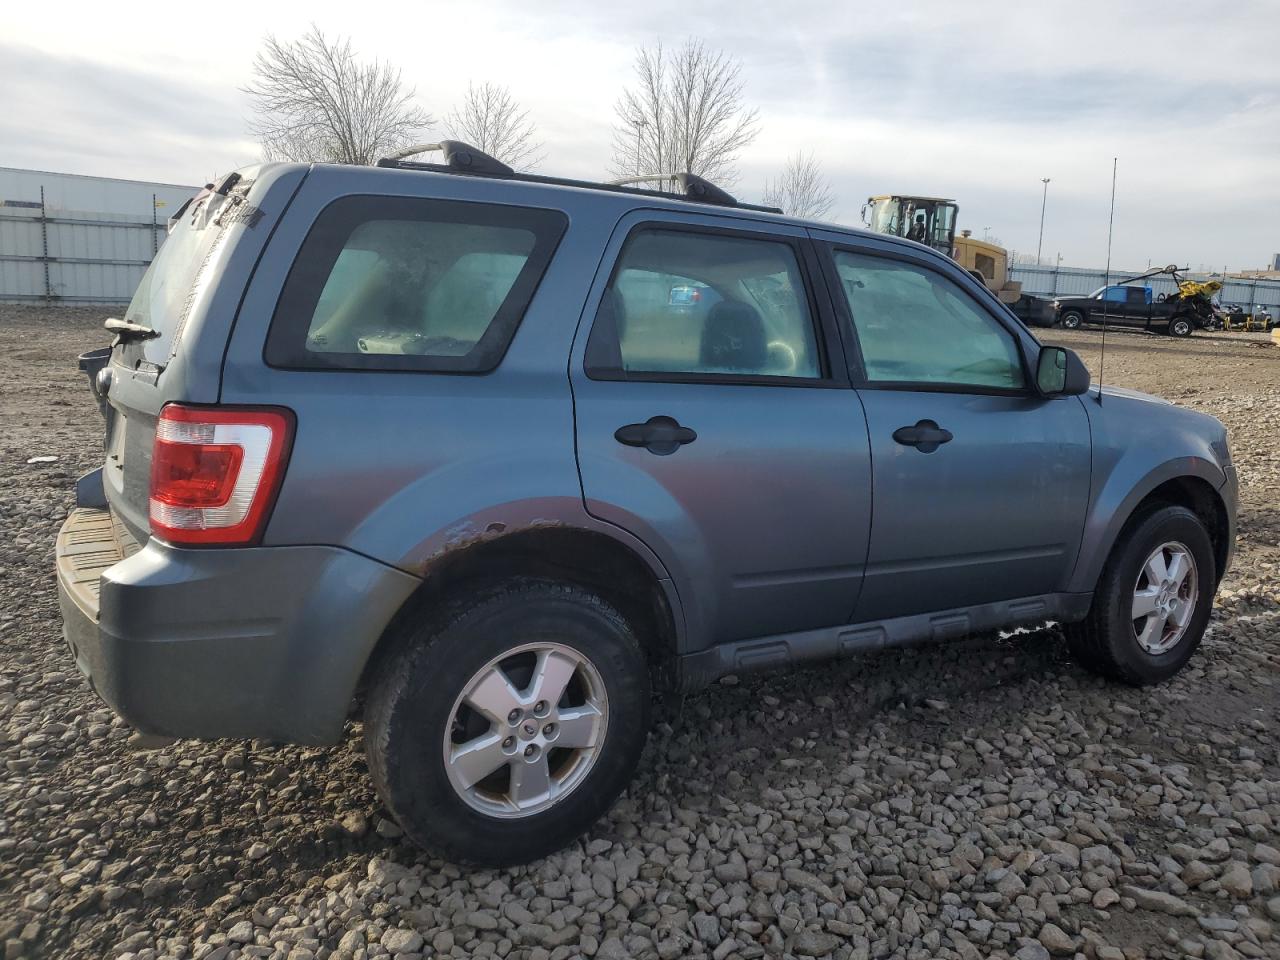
(1072, 319)
(502, 732)
(1152, 602)
(1180, 327)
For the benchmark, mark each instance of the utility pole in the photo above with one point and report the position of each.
(640, 123)
(1043, 201)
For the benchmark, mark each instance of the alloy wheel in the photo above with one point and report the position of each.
(526, 730)
(1164, 598)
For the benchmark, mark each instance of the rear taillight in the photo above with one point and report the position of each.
(215, 472)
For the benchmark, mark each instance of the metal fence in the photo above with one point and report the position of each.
(74, 239)
(1077, 282)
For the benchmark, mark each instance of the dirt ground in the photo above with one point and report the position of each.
(985, 798)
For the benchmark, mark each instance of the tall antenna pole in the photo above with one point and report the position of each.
(1043, 201)
(1111, 223)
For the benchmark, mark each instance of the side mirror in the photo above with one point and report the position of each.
(1060, 373)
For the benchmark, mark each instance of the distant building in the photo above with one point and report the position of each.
(79, 239)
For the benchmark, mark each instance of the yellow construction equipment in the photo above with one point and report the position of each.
(932, 221)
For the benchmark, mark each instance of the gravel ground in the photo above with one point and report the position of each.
(986, 798)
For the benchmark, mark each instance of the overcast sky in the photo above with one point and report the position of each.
(970, 100)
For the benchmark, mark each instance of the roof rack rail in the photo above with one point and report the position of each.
(463, 158)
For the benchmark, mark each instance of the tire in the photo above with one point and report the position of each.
(1107, 641)
(1180, 327)
(1072, 319)
(416, 713)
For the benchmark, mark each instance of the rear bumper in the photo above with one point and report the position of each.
(261, 642)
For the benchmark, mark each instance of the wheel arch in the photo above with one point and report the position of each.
(1184, 489)
(588, 558)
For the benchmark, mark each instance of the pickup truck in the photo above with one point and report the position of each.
(1130, 306)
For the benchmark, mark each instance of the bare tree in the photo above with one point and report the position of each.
(314, 101)
(685, 115)
(802, 190)
(491, 120)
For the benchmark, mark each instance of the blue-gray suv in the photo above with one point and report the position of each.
(488, 457)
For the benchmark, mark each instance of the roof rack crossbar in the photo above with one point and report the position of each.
(690, 184)
(463, 158)
(458, 156)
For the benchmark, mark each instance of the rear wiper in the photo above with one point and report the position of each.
(126, 331)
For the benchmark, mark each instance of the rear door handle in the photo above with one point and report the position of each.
(660, 435)
(926, 436)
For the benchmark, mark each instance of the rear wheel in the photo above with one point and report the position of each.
(1072, 319)
(504, 731)
(1180, 327)
(1152, 602)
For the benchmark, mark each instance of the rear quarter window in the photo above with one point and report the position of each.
(388, 283)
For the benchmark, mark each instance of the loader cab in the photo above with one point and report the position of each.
(928, 220)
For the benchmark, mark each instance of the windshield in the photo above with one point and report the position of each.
(160, 303)
(885, 216)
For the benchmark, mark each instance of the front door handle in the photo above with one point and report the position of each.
(660, 435)
(926, 436)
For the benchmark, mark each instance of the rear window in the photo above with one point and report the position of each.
(167, 288)
(399, 284)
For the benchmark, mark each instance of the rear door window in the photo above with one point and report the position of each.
(402, 284)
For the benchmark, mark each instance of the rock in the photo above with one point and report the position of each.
(384, 872)
(811, 943)
(706, 928)
(1218, 924)
(1266, 879)
(442, 942)
(1010, 885)
(355, 823)
(1237, 880)
(241, 932)
(1263, 853)
(398, 940)
(257, 851)
(733, 870)
(1056, 941)
(1217, 850)
(1160, 902)
(1105, 898)
(481, 920)
(1032, 951)
(1196, 872)
(1273, 908)
(807, 881)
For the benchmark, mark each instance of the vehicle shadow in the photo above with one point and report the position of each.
(935, 686)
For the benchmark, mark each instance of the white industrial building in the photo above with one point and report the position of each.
(78, 239)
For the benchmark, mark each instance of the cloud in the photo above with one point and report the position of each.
(977, 101)
(66, 113)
